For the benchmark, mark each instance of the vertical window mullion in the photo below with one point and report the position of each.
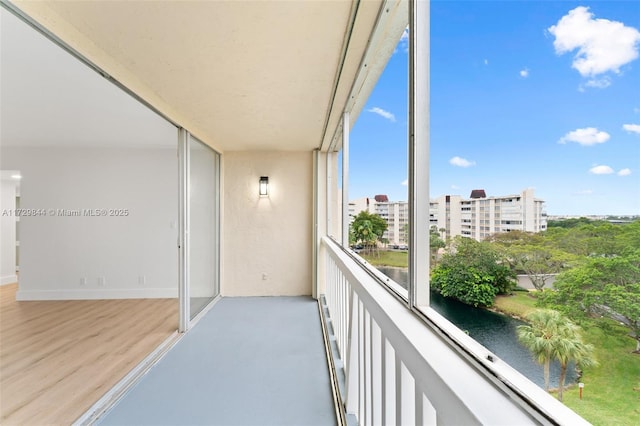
(183, 234)
(345, 179)
(418, 153)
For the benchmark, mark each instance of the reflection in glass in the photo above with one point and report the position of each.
(204, 176)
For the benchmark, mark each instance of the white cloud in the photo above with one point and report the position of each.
(599, 83)
(601, 170)
(624, 172)
(405, 34)
(405, 182)
(403, 43)
(585, 137)
(455, 187)
(603, 45)
(486, 62)
(461, 162)
(584, 192)
(386, 114)
(524, 73)
(632, 128)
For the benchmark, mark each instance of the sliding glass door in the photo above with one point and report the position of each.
(199, 236)
(204, 196)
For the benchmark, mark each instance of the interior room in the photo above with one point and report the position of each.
(89, 230)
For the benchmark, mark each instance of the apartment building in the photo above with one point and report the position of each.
(396, 213)
(475, 217)
(480, 216)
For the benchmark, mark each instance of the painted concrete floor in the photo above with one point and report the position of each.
(249, 361)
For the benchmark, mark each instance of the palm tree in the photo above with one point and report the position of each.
(570, 347)
(551, 335)
(539, 337)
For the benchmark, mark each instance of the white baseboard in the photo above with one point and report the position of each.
(97, 294)
(8, 279)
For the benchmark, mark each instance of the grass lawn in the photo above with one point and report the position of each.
(519, 304)
(387, 258)
(611, 395)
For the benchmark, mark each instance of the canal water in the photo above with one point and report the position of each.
(494, 331)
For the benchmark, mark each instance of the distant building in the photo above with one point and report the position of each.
(480, 216)
(475, 217)
(396, 213)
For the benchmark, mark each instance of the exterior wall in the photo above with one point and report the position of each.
(479, 218)
(395, 213)
(358, 205)
(475, 218)
(8, 232)
(454, 217)
(267, 241)
(57, 252)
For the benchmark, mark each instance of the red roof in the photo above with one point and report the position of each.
(478, 193)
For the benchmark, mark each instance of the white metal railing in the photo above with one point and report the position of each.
(403, 370)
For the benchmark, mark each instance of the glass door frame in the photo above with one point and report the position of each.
(185, 139)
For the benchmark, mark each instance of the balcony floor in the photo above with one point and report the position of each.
(248, 361)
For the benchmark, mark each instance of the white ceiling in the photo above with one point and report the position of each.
(242, 75)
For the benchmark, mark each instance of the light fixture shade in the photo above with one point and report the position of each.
(264, 186)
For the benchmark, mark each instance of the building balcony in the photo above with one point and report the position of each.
(334, 342)
(358, 355)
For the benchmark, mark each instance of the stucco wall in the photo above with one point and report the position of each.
(267, 241)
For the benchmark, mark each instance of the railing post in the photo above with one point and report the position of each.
(352, 359)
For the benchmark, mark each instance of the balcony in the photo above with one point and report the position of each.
(248, 361)
(362, 358)
(363, 354)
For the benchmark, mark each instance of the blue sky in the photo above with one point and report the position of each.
(542, 94)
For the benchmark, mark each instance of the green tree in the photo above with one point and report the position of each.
(528, 253)
(608, 286)
(540, 264)
(368, 228)
(570, 347)
(569, 223)
(550, 335)
(472, 273)
(597, 238)
(435, 244)
(539, 336)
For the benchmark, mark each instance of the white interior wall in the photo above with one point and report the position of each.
(8, 232)
(135, 254)
(267, 241)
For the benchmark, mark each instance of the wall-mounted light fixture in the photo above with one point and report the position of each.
(264, 186)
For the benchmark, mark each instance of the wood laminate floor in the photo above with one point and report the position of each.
(59, 357)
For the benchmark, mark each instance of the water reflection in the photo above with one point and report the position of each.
(496, 332)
